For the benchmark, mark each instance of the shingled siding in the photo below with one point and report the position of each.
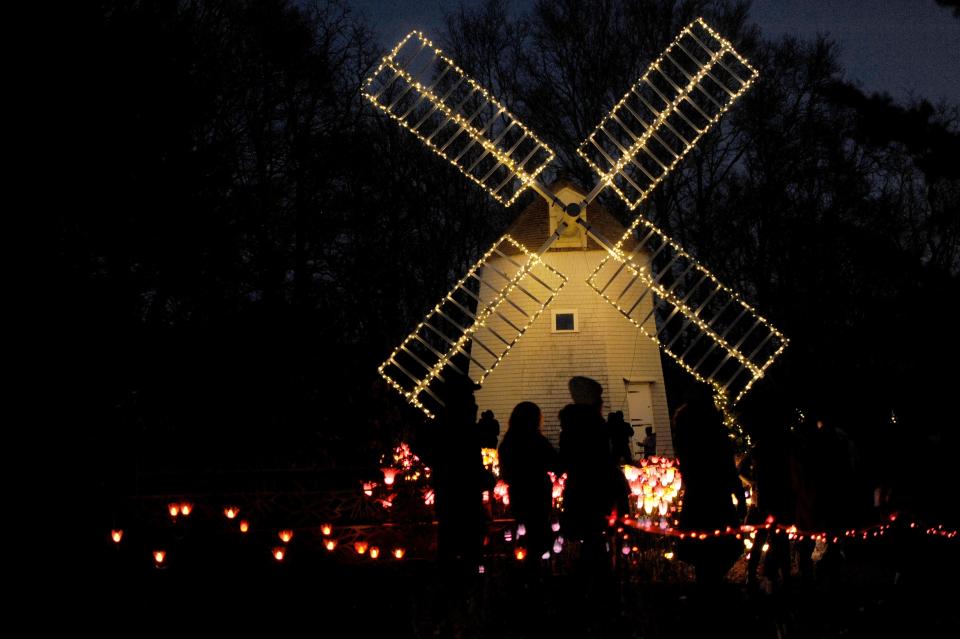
(607, 347)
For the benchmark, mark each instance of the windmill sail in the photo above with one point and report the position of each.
(702, 324)
(476, 323)
(430, 96)
(663, 115)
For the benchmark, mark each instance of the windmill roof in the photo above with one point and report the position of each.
(532, 226)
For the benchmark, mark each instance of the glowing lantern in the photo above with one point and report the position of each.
(508, 535)
(557, 547)
(279, 553)
(428, 497)
(520, 554)
(186, 508)
(231, 511)
(244, 525)
(159, 556)
(326, 529)
(521, 530)
(555, 526)
(285, 536)
(330, 544)
(368, 487)
(174, 510)
(399, 553)
(374, 552)
(389, 475)
(668, 555)
(360, 547)
(116, 536)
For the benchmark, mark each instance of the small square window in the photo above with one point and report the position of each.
(565, 321)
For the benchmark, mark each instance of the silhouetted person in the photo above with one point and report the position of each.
(590, 492)
(594, 488)
(621, 433)
(772, 463)
(710, 479)
(525, 458)
(452, 451)
(489, 429)
(450, 446)
(649, 442)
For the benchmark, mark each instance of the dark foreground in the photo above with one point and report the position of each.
(900, 585)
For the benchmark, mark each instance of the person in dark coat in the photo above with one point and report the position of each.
(592, 490)
(621, 434)
(710, 481)
(489, 429)
(452, 451)
(525, 458)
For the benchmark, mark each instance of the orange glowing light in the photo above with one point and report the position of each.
(186, 508)
(389, 475)
(520, 553)
(231, 511)
(244, 525)
(360, 547)
(173, 509)
(279, 553)
(330, 544)
(399, 553)
(285, 536)
(116, 536)
(159, 556)
(374, 552)
(326, 529)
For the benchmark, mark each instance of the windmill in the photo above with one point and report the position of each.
(706, 327)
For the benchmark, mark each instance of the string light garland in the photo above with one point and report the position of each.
(468, 334)
(708, 88)
(672, 107)
(483, 135)
(642, 274)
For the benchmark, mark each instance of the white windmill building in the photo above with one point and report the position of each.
(579, 334)
(566, 276)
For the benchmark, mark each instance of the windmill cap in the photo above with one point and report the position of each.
(584, 390)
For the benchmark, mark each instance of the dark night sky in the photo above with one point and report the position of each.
(902, 47)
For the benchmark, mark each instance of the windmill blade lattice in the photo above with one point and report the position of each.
(702, 324)
(429, 95)
(660, 119)
(665, 113)
(453, 335)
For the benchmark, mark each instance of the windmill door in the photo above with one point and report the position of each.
(640, 405)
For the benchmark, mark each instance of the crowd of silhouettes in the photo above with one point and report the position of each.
(800, 476)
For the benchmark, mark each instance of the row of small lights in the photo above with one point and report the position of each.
(502, 158)
(278, 552)
(748, 532)
(533, 260)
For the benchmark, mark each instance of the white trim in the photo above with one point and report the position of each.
(564, 311)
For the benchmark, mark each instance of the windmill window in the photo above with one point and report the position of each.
(565, 321)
